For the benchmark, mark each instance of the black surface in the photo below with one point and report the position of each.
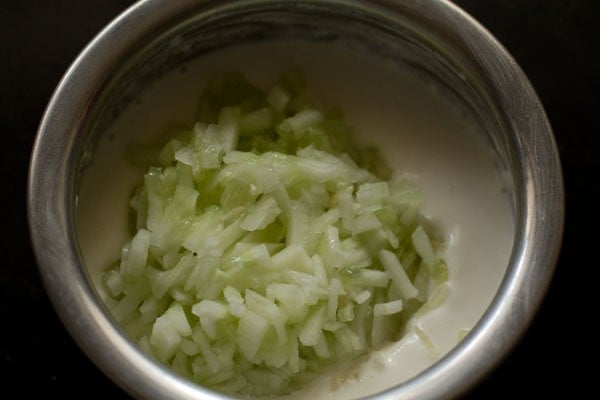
(555, 42)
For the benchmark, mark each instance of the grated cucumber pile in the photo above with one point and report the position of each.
(269, 247)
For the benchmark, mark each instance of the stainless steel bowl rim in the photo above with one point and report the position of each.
(51, 197)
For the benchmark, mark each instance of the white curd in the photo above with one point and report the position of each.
(420, 134)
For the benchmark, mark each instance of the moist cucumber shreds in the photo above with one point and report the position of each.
(269, 246)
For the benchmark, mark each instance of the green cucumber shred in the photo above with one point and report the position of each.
(269, 246)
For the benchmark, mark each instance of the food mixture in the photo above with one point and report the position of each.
(286, 227)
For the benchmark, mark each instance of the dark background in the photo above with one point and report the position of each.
(554, 41)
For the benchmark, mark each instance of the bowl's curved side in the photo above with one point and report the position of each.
(51, 200)
(540, 211)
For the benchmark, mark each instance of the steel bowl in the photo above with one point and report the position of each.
(155, 36)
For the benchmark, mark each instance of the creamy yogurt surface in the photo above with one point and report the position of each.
(420, 133)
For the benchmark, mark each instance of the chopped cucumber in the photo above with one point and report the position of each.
(269, 247)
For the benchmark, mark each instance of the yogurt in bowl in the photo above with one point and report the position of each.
(423, 83)
(420, 133)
